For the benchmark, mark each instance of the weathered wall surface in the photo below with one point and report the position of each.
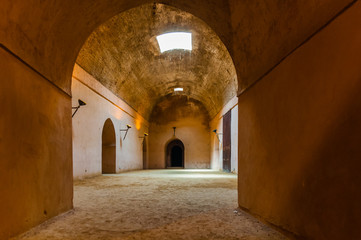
(192, 127)
(300, 135)
(35, 148)
(216, 145)
(88, 125)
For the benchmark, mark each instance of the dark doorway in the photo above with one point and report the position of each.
(108, 147)
(227, 142)
(144, 154)
(175, 154)
(176, 157)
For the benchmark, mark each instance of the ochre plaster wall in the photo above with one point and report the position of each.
(300, 136)
(88, 125)
(216, 145)
(192, 128)
(265, 31)
(35, 148)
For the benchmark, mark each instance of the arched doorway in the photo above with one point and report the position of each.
(175, 154)
(108, 147)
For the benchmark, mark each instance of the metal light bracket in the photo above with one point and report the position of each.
(81, 103)
(126, 131)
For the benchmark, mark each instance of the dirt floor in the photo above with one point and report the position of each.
(155, 204)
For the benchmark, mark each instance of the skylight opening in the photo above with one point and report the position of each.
(175, 40)
(178, 89)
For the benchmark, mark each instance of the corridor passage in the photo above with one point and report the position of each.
(155, 204)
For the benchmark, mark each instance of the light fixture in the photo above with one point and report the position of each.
(126, 131)
(144, 135)
(81, 103)
(175, 40)
(179, 89)
(217, 134)
(174, 130)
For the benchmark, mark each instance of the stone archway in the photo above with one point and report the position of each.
(175, 154)
(51, 47)
(108, 148)
(40, 57)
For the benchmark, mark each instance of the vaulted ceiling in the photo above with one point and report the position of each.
(123, 54)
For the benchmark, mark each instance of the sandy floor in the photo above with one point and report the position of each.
(158, 204)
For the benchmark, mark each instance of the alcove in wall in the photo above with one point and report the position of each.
(108, 147)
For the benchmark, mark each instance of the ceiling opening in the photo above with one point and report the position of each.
(175, 40)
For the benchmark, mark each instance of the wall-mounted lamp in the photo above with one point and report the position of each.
(81, 103)
(126, 131)
(217, 134)
(145, 135)
(174, 130)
